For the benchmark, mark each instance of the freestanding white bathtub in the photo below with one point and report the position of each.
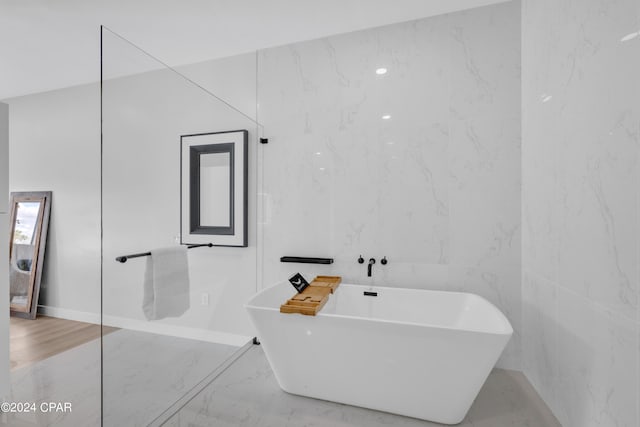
(423, 354)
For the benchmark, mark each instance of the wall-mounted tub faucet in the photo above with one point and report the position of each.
(371, 262)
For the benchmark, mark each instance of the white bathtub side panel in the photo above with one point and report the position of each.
(421, 372)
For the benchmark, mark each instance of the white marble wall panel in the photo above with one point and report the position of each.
(485, 216)
(598, 254)
(435, 187)
(581, 229)
(346, 170)
(485, 78)
(540, 335)
(541, 104)
(597, 365)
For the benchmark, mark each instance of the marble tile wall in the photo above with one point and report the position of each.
(435, 186)
(581, 235)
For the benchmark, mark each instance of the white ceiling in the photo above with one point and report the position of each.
(50, 44)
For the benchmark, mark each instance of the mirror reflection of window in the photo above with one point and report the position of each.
(26, 220)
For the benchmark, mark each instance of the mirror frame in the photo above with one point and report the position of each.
(195, 153)
(29, 311)
(191, 148)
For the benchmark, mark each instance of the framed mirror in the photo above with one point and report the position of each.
(30, 213)
(214, 188)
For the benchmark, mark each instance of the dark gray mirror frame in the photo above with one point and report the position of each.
(195, 153)
(238, 205)
(44, 197)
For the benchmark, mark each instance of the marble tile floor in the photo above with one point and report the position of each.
(247, 394)
(144, 374)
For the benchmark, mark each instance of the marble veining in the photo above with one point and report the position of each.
(581, 208)
(596, 384)
(540, 335)
(421, 164)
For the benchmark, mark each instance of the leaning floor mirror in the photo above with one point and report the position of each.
(30, 213)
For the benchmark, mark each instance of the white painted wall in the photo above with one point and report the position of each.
(143, 118)
(435, 188)
(4, 158)
(54, 139)
(581, 235)
(57, 133)
(4, 251)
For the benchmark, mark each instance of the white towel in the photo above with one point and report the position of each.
(166, 283)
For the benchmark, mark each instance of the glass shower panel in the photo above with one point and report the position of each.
(173, 319)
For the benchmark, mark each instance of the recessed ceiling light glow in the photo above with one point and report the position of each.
(630, 36)
(321, 169)
(318, 153)
(386, 117)
(545, 98)
(390, 143)
(380, 71)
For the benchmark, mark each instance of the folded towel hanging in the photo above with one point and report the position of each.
(166, 283)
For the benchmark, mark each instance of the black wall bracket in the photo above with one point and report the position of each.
(306, 260)
(264, 140)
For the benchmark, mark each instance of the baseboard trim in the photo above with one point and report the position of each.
(198, 334)
(177, 331)
(64, 313)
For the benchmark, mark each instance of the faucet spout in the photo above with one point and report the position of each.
(371, 262)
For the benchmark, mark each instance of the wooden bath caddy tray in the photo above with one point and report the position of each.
(313, 298)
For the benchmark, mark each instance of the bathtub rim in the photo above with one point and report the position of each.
(507, 331)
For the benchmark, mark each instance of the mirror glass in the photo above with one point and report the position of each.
(23, 251)
(26, 219)
(215, 189)
(29, 224)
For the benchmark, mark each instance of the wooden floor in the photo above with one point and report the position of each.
(35, 340)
